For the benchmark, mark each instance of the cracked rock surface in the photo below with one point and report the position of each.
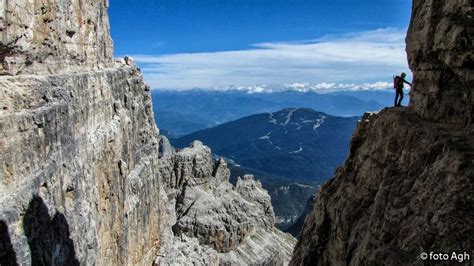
(86, 144)
(51, 37)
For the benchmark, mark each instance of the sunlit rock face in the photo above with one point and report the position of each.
(79, 149)
(50, 37)
(406, 186)
(86, 145)
(440, 54)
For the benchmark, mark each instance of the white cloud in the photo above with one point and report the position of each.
(361, 60)
(322, 87)
(330, 87)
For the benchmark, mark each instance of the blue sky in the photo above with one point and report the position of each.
(183, 44)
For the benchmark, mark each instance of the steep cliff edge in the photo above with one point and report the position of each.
(85, 177)
(407, 185)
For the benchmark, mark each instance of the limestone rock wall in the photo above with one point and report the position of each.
(49, 37)
(79, 181)
(81, 146)
(440, 51)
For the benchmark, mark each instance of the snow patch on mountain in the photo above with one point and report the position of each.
(271, 119)
(288, 116)
(302, 185)
(267, 136)
(297, 151)
(319, 122)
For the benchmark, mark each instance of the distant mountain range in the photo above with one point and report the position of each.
(385, 98)
(183, 112)
(291, 151)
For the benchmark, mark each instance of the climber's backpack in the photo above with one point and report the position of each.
(396, 82)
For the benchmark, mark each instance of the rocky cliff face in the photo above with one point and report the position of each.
(85, 177)
(82, 145)
(407, 185)
(79, 151)
(440, 54)
(48, 37)
(232, 224)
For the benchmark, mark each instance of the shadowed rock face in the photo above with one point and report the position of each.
(407, 185)
(440, 54)
(7, 254)
(406, 188)
(48, 238)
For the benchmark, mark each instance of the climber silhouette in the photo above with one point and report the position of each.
(398, 86)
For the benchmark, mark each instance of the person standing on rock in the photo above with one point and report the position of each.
(398, 86)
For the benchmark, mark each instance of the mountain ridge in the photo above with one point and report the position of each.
(210, 108)
(249, 137)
